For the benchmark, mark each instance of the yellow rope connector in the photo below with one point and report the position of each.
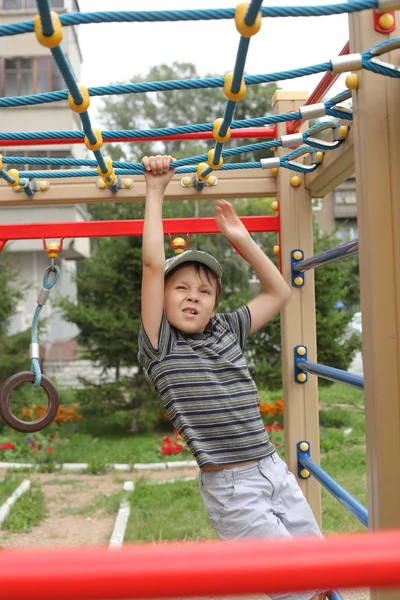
(217, 137)
(227, 88)
(112, 180)
(80, 108)
(15, 175)
(52, 249)
(99, 140)
(210, 160)
(179, 245)
(244, 29)
(200, 168)
(49, 41)
(352, 81)
(110, 168)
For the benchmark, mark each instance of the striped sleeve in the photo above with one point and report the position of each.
(239, 323)
(164, 342)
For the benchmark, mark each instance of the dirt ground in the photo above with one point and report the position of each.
(66, 492)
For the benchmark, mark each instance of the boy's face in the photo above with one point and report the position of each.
(189, 299)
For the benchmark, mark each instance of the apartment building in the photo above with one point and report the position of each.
(338, 211)
(26, 67)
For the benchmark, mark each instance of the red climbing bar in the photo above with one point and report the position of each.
(125, 228)
(244, 133)
(202, 569)
(324, 85)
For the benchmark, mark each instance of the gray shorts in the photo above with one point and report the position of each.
(262, 500)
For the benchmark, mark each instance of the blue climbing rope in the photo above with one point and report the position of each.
(192, 15)
(47, 285)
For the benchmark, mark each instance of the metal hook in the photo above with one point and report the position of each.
(295, 154)
(383, 48)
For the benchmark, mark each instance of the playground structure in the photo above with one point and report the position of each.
(371, 149)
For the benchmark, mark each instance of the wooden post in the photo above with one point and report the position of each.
(376, 106)
(298, 317)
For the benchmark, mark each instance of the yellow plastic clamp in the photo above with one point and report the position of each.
(227, 88)
(110, 168)
(210, 160)
(246, 30)
(49, 41)
(200, 168)
(15, 174)
(216, 128)
(99, 140)
(53, 249)
(112, 180)
(80, 108)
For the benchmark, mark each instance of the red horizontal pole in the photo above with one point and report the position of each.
(324, 86)
(246, 133)
(125, 228)
(202, 569)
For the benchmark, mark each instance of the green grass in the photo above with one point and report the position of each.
(27, 512)
(9, 485)
(348, 468)
(171, 511)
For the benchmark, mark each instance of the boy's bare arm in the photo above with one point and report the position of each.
(275, 291)
(157, 175)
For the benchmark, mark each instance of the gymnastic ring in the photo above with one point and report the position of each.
(13, 421)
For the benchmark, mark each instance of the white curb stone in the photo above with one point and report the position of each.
(121, 522)
(5, 509)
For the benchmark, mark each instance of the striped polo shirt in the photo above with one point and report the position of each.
(207, 389)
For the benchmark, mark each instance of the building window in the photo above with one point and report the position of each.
(345, 197)
(27, 4)
(38, 154)
(23, 76)
(347, 232)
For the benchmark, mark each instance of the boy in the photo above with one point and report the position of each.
(194, 359)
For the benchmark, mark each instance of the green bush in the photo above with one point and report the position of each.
(337, 417)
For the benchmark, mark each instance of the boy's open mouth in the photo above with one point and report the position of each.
(190, 311)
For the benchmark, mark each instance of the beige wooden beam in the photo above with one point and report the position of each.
(377, 159)
(337, 166)
(240, 183)
(298, 316)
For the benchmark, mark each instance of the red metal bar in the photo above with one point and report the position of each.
(324, 85)
(125, 228)
(202, 569)
(243, 133)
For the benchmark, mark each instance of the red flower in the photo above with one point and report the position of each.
(49, 449)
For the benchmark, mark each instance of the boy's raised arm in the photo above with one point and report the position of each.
(157, 175)
(275, 291)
